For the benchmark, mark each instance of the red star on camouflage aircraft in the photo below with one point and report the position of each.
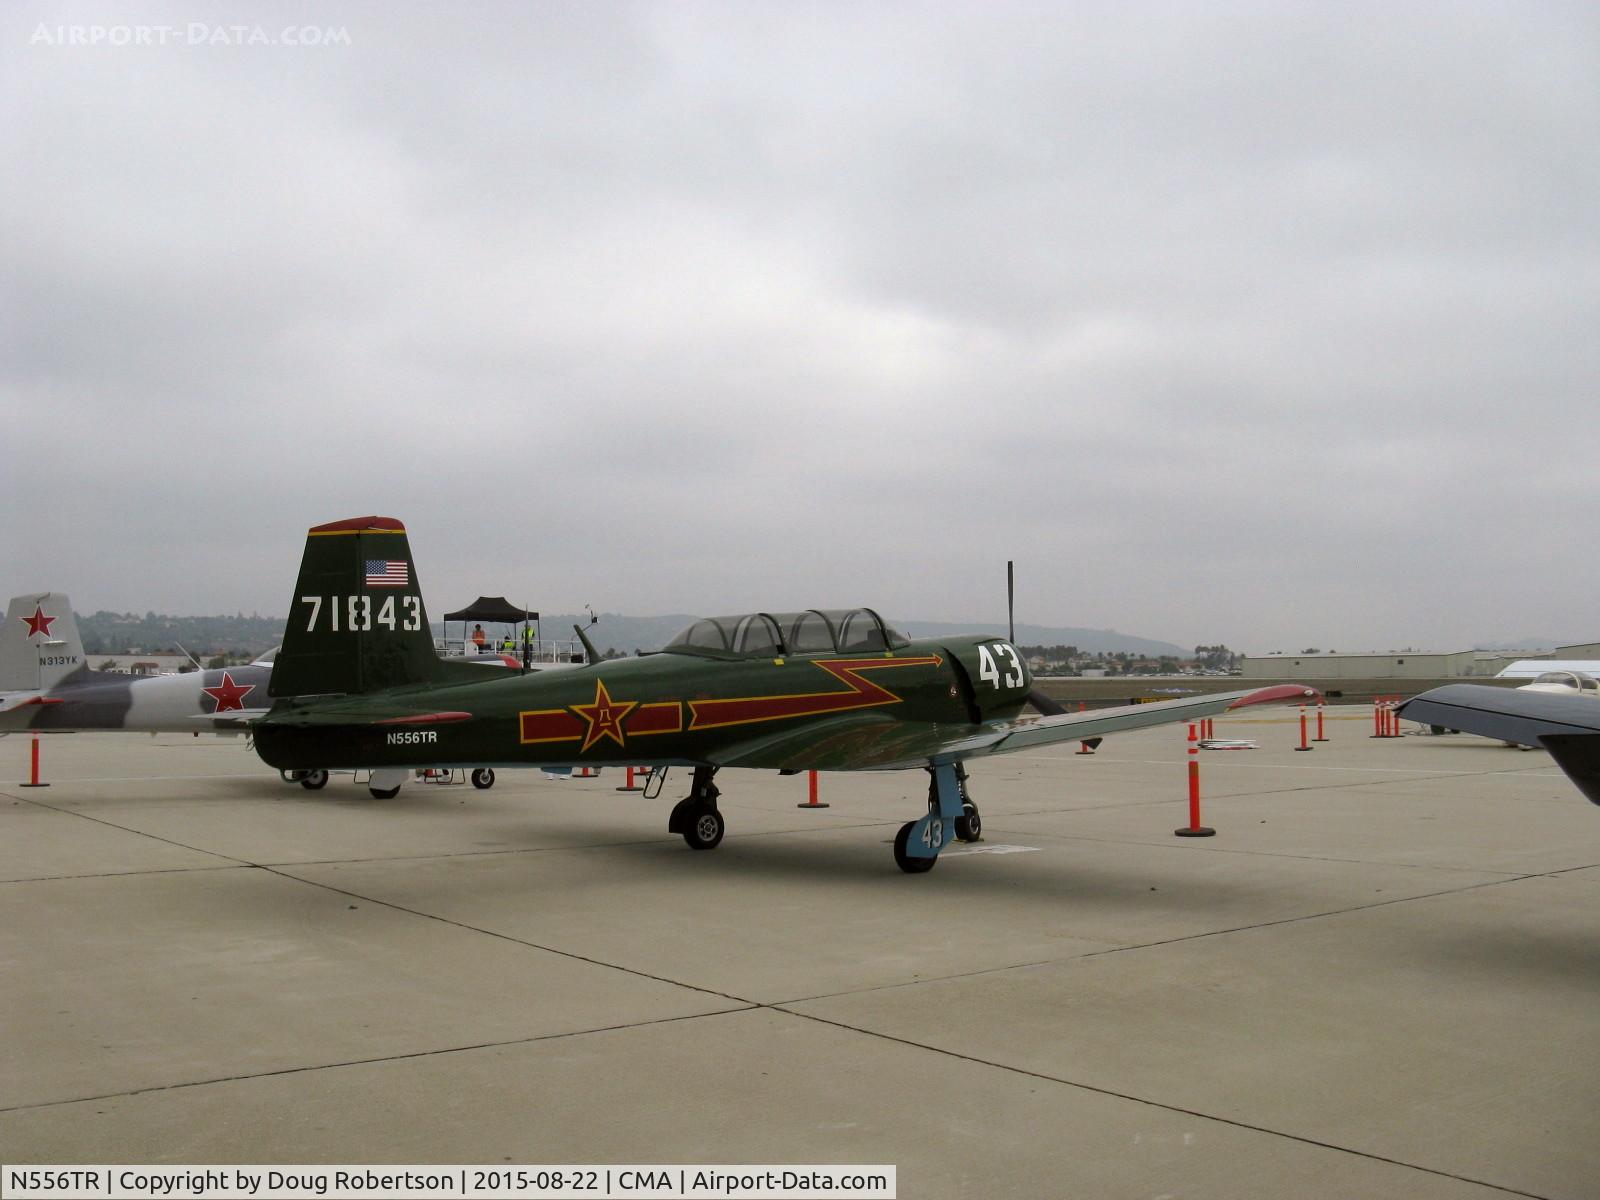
(39, 624)
(228, 694)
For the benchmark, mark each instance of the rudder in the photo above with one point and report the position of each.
(356, 622)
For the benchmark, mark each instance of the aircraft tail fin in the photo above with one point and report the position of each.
(356, 623)
(39, 646)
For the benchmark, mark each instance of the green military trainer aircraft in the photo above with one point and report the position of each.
(358, 684)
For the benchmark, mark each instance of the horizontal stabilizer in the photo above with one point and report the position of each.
(343, 716)
(429, 718)
(24, 700)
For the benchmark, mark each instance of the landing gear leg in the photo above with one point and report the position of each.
(917, 845)
(696, 816)
(969, 825)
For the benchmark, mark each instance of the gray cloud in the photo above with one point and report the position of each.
(1263, 323)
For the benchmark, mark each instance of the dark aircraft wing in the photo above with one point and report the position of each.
(1079, 726)
(875, 741)
(1567, 726)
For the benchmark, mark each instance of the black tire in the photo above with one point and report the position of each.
(969, 825)
(705, 829)
(911, 866)
(314, 781)
(384, 793)
(483, 778)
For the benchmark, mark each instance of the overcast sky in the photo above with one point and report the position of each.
(1272, 324)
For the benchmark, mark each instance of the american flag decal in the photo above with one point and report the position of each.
(388, 572)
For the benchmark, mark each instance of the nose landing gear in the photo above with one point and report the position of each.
(951, 813)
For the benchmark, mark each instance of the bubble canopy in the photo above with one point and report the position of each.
(768, 635)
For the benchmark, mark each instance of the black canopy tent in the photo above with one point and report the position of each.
(497, 610)
(492, 608)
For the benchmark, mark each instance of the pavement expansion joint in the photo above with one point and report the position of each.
(154, 837)
(1305, 917)
(404, 1056)
(134, 874)
(1246, 851)
(1253, 793)
(506, 937)
(446, 854)
(1122, 947)
(1157, 1104)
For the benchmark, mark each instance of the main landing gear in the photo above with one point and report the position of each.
(951, 813)
(696, 815)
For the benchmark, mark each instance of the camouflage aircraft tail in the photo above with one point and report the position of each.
(356, 623)
(39, 646)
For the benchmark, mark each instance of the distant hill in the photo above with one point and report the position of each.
(627, 634)
(129, 633)
(123, 633)
(1529, 644)
(617, 632)
(1091, 640)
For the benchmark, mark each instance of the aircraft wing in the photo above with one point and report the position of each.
(1026, 734)
(875, 741)
(1567, 726)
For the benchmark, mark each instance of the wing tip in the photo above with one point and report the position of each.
(1279, 693)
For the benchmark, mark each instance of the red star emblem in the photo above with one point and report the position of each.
(604, 716)
(39, 623)
(228, 694)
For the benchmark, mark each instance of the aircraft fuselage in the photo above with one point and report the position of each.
(874, 708)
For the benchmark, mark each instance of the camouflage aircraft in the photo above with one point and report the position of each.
(46, 684)
(358, 684)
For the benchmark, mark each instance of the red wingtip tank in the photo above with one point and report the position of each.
(1278, 693)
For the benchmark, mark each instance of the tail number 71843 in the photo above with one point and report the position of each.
(989, 669)
(358, 616)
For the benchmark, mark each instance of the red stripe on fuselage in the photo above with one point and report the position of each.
(655, 718)
(551, 725)
(863, 693)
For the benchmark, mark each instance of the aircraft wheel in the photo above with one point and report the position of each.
(969, 825)
(911, 866)
(384, 793)
(483, 777)
(314, 780)
(705, 829)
